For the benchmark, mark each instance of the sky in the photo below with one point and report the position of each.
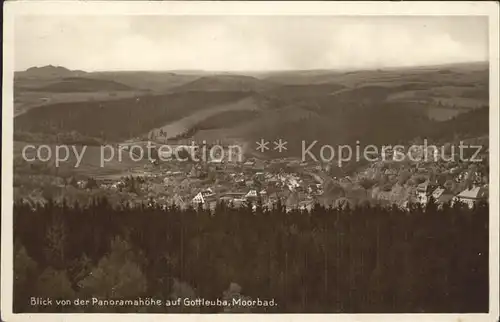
(247, 43)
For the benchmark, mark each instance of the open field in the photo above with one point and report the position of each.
(32, 99)
(51, 85)
(183, 125)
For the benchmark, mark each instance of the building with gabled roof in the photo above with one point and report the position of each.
(441, 195)
(204, 196)
(422, 187)
(424, 191)
(251, 194)
(249, 163)
(472, 196)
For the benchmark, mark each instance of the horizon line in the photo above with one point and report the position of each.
(340, 69)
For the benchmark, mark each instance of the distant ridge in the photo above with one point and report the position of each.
(216, 72)
(80, 84)
(226, 83)
(50, 71)
(54, 69)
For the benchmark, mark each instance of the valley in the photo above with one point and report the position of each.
(373, 107)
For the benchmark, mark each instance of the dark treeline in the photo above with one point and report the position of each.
(367, 259)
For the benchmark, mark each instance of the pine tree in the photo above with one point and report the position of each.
(25, 270)
(56, 285)
(117, 275)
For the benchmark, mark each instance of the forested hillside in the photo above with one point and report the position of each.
(367, 259)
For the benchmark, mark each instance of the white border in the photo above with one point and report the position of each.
(37, 7)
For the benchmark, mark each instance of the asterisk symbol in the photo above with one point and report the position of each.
(262, 145)
(280, 145)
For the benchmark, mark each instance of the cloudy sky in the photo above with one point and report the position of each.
(246, 43)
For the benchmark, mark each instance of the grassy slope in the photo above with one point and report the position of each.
(39, 89)
(194, 119)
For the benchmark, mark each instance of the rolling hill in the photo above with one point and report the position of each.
(120, 119)
(240, 83)
(76, 85)
(333, 107)
(40, 86)
(195, 120)
(303, 92)
(49, 71)
(155, 82)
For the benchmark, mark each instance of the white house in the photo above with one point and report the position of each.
(422, 192)
(251, 194)
(437, 193)
(472, 195)
(199, 198)
(203, 196)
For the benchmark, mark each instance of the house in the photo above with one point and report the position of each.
(249, 163)
(424, 191)
(437, 193)
(217, 160)
(391, 172)
(200, 199)
(204, 197)
(260, 176)
(233, 196)
(251, 195)
(442, 195)
(472, 196)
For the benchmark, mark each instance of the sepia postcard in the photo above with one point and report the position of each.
(295, 160)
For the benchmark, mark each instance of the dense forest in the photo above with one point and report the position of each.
(368, 125)
(119, 119)
(319, 116)
(329, 260)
